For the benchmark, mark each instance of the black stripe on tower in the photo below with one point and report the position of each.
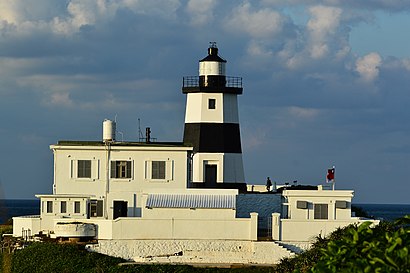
(213, 137)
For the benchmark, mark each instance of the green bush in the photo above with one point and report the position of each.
(5, 229)
(50, 257)
(384, 248)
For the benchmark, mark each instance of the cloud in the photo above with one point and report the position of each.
(200, 11)
(61, 99)
(257, 23)
(303, 113)
(368, 66)
(385, 5)
(323, 23)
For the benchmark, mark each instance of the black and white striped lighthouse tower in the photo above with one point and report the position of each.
(212, 125)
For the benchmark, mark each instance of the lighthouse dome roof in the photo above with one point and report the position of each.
(213, 55)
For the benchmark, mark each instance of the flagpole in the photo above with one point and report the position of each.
(334, 178)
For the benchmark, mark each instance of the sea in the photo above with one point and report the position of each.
(18, 207)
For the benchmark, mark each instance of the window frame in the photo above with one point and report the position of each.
(97, 207)
(158, 172)
(77, 207)
(122, 167)
(63, 209)
(211, 103)
(84, 168)
(49, 206)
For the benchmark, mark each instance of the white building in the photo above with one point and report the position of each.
(188, 198)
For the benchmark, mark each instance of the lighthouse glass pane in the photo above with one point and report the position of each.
(158, 170)
(321, 211)
(84, 169)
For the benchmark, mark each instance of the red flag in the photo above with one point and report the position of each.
(330, 175)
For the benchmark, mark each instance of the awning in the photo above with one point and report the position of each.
(191, 201)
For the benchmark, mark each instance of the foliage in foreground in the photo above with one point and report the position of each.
(365, 249)
(304, 261)
(383, 248)
(50, 257)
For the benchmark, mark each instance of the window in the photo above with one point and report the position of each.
(341, 204)
(96, 208)
(301, 204)
(84, 169)
(158, 170)
(321, 211)
(49, 206)
(77, 208)
(211, 103)
(63, 207)
(120, 169)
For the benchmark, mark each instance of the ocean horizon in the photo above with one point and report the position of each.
(21, 207)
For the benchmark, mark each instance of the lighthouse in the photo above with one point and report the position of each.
(212, 125)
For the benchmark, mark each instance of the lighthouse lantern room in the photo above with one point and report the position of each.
(212, 125)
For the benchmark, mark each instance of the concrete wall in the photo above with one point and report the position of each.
(201, 229)
(307, 231)
(187, 213)
(193, 251)
(24, 223)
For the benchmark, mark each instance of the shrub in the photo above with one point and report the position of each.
(384, 248)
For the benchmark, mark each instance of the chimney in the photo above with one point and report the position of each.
(147, 135)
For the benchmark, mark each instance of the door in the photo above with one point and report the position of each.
(210, 175)
(120, 209)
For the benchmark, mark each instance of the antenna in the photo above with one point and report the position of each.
(140, 135)
(122, 136)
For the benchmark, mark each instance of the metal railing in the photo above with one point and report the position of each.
(194, 81)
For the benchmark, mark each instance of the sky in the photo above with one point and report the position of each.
(326, 83)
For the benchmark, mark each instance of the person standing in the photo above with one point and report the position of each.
(268, 184)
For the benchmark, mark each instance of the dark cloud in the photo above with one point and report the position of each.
(309, 102)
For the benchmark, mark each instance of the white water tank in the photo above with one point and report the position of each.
(108, 130)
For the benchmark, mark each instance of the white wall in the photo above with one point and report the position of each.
(193, 251)
(226, 108)
(24, 223)
(187, 213)
(293, 230)
(319, 196)
(103, 187)
(201, 229)
(197, 108)
(199, 161)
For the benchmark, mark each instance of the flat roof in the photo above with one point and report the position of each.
(120, 143)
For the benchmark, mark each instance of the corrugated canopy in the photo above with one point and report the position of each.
(191, 201)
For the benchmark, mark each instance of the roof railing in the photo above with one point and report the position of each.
(193, 81)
